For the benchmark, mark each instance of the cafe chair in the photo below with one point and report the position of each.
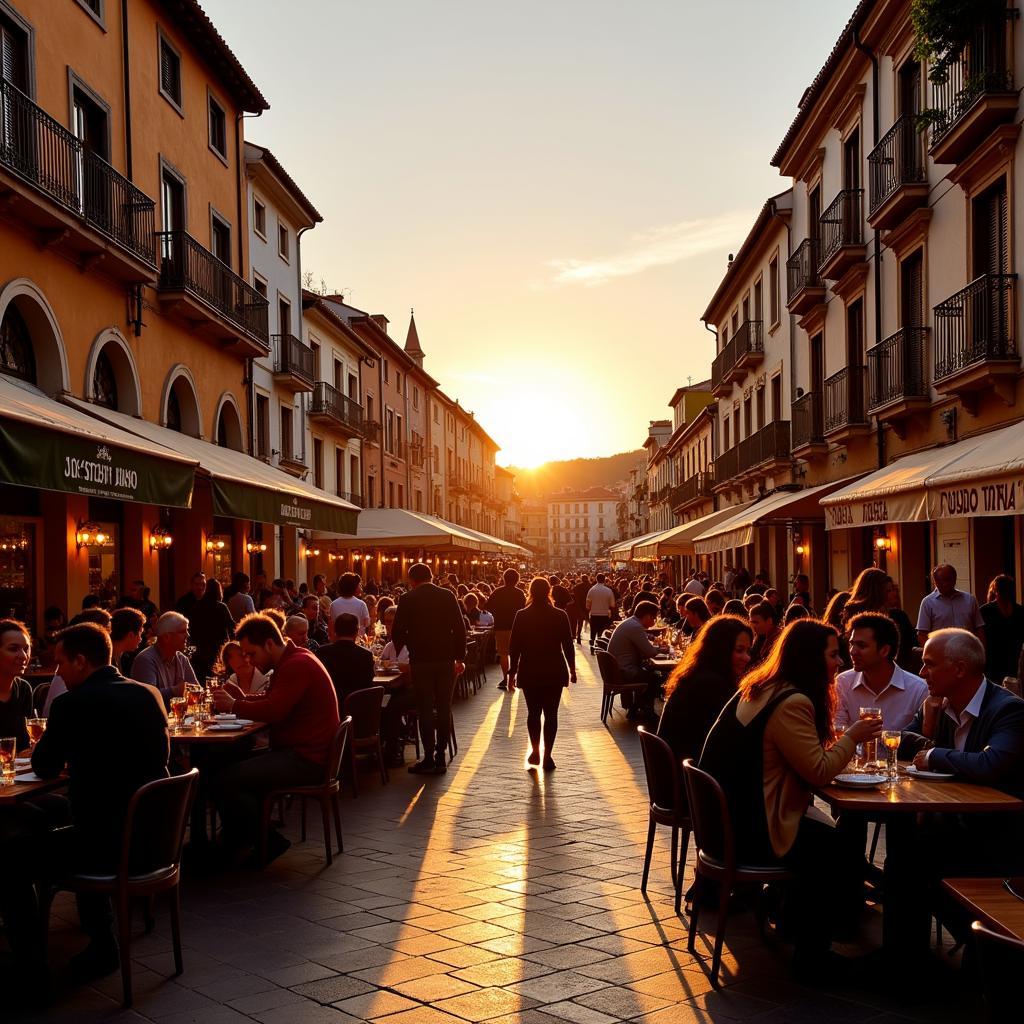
(716, 855)
(613, 683)
(668, 807)
(149, 864)
(1002, 964)
(364, 708)
(326, 793)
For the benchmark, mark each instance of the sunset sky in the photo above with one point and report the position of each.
(554, 185)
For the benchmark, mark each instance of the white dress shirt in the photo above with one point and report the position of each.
(899, 701)
(967, 717)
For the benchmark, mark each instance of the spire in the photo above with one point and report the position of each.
(412, 340)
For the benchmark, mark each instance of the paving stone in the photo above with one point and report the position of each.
(485, 1003)
(334, 989)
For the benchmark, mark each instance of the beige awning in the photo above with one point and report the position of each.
(623, 551)
(503, 547)
(679, 540)
(979, 476)
(399, 528)
(779, 508)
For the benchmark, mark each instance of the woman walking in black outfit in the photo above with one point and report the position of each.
(542, 660)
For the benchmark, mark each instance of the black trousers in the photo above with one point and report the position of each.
(598, 624)
(433, 683)
(542, 703)
(241, 788)
(402, 700)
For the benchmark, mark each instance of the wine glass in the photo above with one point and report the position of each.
(891, 739)
(870, 746)
(179, 706)
(35, 728)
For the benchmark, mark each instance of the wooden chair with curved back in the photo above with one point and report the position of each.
(1002, 963)
(613, 683)
(364, 708)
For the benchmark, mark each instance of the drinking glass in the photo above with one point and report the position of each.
(8, 746)
(36, 727)
(212, 683)
(891, 739)
(179, 706)
(193, 694)
(870, 751)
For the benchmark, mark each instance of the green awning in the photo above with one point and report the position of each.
(55, 447)
(243, 501)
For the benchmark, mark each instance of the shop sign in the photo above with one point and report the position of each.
(871, 510)
(984, 498)
(263, 505)
(32, 456)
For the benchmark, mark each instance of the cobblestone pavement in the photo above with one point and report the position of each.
(490, 894)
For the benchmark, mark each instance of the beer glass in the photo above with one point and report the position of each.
(870, 751)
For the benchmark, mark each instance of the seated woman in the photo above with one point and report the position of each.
(402, 697)
(703, 682)
(773, 742)
(235, 669)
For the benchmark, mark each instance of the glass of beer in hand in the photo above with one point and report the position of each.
(870, 751)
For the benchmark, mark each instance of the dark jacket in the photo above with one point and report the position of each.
(349, 666)
(111, 733)
(541, 651)
(691, 710)
(429, 622)
(994, 752)
(503, 605)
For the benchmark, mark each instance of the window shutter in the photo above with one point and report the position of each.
(13, 58)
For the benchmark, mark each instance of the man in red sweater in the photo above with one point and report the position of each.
(301, 708)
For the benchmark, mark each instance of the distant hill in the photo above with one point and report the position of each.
(576, 474)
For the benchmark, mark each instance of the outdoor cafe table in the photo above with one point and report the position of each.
(21, 791)
(989, 901)
(898, 807)
(666, 663)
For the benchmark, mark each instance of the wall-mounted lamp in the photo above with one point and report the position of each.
(883, 542)
(334, 556)
(90, 535)
(255, 547)
(312, 552)
(160, 538)
(798, 542)
(215, 544)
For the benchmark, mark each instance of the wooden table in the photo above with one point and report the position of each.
(216, 738)
(665, 662)
(898, 808)
(21, 791)
(988, 900)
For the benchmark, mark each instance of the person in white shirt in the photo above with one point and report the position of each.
(348, 600)
(389, 654)
(875, 679)
(694, 586)
(600, 605)
(948, 608)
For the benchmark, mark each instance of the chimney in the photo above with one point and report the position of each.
(381, 321)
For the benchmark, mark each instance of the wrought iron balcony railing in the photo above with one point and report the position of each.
(293, 357)
(841, 224)
(896, 368)
(845, 398)
(330, 402)
(976, 324)
(896, 161)
(802, 269)
(808, 420)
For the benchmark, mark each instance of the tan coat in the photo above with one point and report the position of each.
(794, 761)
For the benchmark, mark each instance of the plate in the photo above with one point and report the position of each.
(243, 722)
(224, 717)
(226, 727)
(920, 773)
(859, 781)
(27, 777)
(22, 762)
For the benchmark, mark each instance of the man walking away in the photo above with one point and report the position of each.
(579, 596)
(503, 605)
(429, 623)
(600, 605)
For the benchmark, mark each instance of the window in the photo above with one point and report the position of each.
(104, 382)
(339, 471)
(90, 117)
(353, 387)
(284, 316)
(773, 290)
(389, 431)
(220, 239)
(262, 426)
(94, 8)
(218, 130)
(287, 433)
(391, 494)
(259, 218)
(170, 73)
(282, 241)
(318, 463)
(398, 382)
(371, 492)
(369, 407)
(418, 500)
(387, 372)
(437, 419)
(725, 435)
(353, 476)
(401, 496)
(259, 284)
(172, 204)
(415, 397)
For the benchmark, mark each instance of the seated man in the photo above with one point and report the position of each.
(631, 647)
(296, 629)
(301, 709)
(112, 736)
(163, 664)
(974, 729)
(317, 623)
(764, 621)
(349, 664)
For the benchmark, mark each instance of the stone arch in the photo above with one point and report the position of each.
(227, 424)
(47, 341)
(181, 394)
(112, 343)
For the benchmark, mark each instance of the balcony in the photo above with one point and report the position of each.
(846, 404)
(69, 196)
(809, 426)
(197, 286)
(372, 431)
(293, 363)
(975, 344)
(897, 377)
(897, 174)
(727, 467)
(292, 461)
(804, 287)
(766, 448)
(977, 96)
(743, 350)
(841, 231)
(330, 407)
(352, 497)
(697, 488)
(458, 484)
